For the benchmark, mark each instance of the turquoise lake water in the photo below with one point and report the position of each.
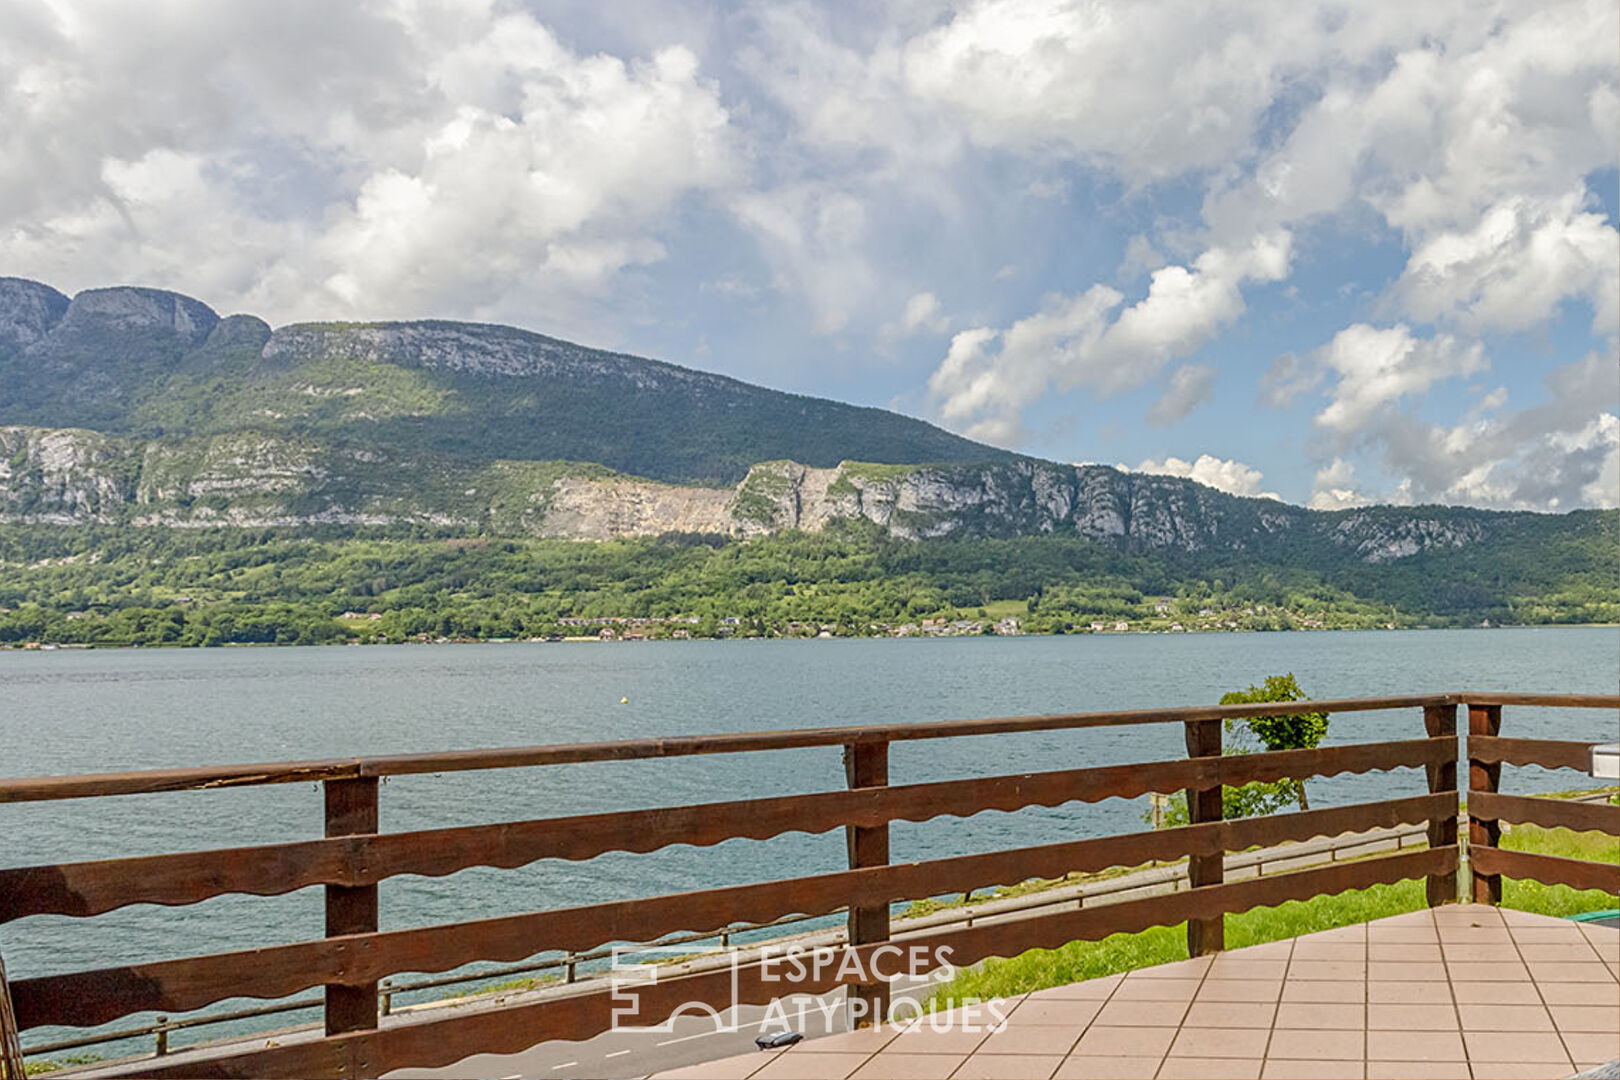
(75, 711)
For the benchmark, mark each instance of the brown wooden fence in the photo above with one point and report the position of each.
(354, 858)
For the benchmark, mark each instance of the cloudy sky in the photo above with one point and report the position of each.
(1338, 252)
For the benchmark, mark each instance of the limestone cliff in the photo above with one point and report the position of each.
(67, 476)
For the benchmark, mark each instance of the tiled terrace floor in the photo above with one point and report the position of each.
(1463, 991)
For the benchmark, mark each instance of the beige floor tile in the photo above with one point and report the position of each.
(1210, 1069)
(1234, 1014)
(1078, 1067)
(1341, 951)
(1573, 953)
(1567, 934)
(892, 1066)
(1418, 1070)
(1319, 970)
(1586, 1017)
(1467, 915)
(1605, 939)
(793, 1066)
(1568, 993)
(1415, 1046)
(1432, 991)
(1412, 1016)
(1517, 1070)
(1405, 952)
(1281, 1069)
(1334, 1015)
(1240, 990)
(1424, 917)
(1086, 990)
(1504, 1018)
(1502, 953)
(1142, 1013)
(1353, 932)
(1179, 969)
(1609, 950)
(1220, 1043)
(1350, 992)
(1008, 1067)
(1418, 971)
(1226, 968)
(1515, 1046)
(1412, 934)
(1075, 1014)
(865, 1041)
(1269, 950)
(925, 1040)
(732, 1068)
(1317, 1045)
(1126, 1041)
(1592, 1046)
(1031, 1039)
(1515, 917)
(1474, 937)
(1495, 993)
(1156, 990)
(1488, 971)
(1566, 972)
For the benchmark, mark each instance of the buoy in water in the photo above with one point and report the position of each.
(624, 701)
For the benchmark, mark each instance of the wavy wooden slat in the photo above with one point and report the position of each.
(92, 888)
(510, 1030)
(1548, 813)
(1547, 869)
(95, 997)
(94, 785)
(1548, 753)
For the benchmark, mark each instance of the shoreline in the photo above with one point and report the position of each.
(35, 647)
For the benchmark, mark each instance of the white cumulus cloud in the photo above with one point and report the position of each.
(989, 376)
(1223, 474)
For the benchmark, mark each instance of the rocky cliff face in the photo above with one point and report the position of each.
(28, 311)
(62, 477)
(68, 477)
(1014, 499)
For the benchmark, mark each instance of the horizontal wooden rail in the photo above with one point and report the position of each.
(1547, 869)
(95, 997)
(91, 888)
(148, 781)
(1565, 701)
(508, 1030)
(1548, 753)
(1548, 813)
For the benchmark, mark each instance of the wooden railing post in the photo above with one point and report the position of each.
(351, 809)
(1440, 721)
(866, 764)
(1204, 804)
(11, 1058)
(1483, 832)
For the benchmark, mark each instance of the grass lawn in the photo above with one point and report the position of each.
(1078, 960)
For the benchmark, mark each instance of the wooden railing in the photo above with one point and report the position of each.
(354, 858)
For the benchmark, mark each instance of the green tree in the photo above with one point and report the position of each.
(1290, 731)
(1293, 731)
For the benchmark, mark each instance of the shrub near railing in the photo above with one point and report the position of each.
(353, 859)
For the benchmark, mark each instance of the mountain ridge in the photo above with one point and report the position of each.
(133, 361)
(144, 407)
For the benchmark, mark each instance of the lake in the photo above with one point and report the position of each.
(76, 711)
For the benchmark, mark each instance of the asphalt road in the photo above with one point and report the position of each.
(617, 1055)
